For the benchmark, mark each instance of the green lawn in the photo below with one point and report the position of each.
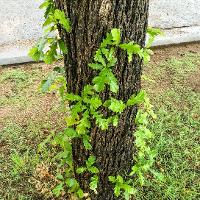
(175, 93)
(27, 117)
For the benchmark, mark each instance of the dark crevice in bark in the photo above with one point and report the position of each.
(114, 148)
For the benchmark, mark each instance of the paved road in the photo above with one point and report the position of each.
(19, 20)
(174, 13)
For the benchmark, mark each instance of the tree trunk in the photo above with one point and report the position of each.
(91, 20)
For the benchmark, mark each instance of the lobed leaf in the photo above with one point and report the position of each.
(131, 48)
(117, 105)
(60, 16)
(116, 35)
(94, 183)
(139, 98)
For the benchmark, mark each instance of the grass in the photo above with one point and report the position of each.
(27, 117)
(177, 129)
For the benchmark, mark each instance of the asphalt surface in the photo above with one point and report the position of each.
(20, 20)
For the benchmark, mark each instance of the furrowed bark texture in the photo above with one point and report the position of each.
(91, 20)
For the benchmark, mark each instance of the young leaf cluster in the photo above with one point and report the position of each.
(145, 157)
(122, 186)
(47, 47)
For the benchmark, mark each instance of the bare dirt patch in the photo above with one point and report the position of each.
(194, 81)
(33, 106)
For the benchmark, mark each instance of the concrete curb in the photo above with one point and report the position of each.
(15, 59)
(17, 53)
(178, 36)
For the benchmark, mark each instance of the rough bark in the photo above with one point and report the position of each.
(90, 20)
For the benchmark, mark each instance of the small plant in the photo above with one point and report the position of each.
(18, 163)
(87, 107)
(47, 47)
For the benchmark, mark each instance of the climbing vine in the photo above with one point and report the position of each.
(87, 106)
(47, 47)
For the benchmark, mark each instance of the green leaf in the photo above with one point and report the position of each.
(144, 132)
(131, 49)
(71, 183)
(60, 16)
(48, 21)
(44, 5)
(102, 123)
(95, 66)
(140, 143)
(58, 190)
(116, 36)
(112, 179)
(62, 46)
(49, 9)
(119, 179)
(117, 105)
(46, 84)
(110, 79)
(77, 108)
(134, 169)
(86, 142)
(35, 54)
(71, 133)
(154, 31)
(91, 160)
(115, 120)
(80, 170)
(59, 176)
(87, 90)
(107, 103)
(142, 118)
(72, 97)
(80, 193)
(114, 87)
(129, 189)
(117, 190)
(99, 58)
(112, 62)
(51, 54)
(111, 54)
(94, 183)
(71, 120)
(105, 52)
(93, 170)
(141, 178)
(95, 102)
(107, 40)
(84, 124)
(139, 98)
(126, 195)
(49, 57)
(99, 83)
(105, 77)
(145, 54)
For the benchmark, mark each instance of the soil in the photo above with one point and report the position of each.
(166, 52)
